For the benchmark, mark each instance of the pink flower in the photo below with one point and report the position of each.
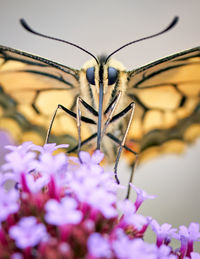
(63, 212)
(141, 196)
(187, 236)
(99, 246)
(9, 203)
(163, 232)
(28, 233)
(68, 208)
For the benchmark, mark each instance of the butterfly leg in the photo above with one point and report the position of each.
(130, 107)
(121, 114)
(86, 141)
(117, 141)
(72, 114)
(111, 136)
(89, 108)
(131, 177)
(111, 108)
(51, 124)
(78, 123)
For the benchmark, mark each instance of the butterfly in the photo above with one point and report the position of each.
(149, 110)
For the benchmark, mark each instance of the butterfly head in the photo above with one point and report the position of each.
(111, 75)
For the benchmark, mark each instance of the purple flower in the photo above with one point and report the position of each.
(121, 244)
(195, 255)
(36, 184)
(23, 159)
(28, 233)
(163, 232)
(75, 198)
(164, 252)
(63, 212)
(52, 166)
(103, 201)
(138, 221)
(94, 187)
(86, 179)
(88, 189)
(191, 233)
(9, 203)
(127, 207)
(92, 162)
(132, 248)
(22, 149)
(98, 246)
(48, 148)
(19, 160)
(141, 196)
(95, 158)
(187, 236)
(49, 164)
(137, 248)
(130, 217)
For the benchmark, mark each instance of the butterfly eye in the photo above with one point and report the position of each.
(112, 75)
(90, 75)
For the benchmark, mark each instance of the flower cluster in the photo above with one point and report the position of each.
(65, 207)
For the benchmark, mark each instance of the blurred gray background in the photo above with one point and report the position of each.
(101, 27)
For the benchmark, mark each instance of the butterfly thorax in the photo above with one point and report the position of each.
(113, 78)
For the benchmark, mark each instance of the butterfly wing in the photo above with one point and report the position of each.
(31, 87)
(167, 97)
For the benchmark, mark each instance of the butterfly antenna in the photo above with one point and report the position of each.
(169, 27)
(28, 28)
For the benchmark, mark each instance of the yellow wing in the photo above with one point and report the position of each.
(30, 90)
(166, 92)
(167, 96)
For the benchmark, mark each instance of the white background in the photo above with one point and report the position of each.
(101, 27)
